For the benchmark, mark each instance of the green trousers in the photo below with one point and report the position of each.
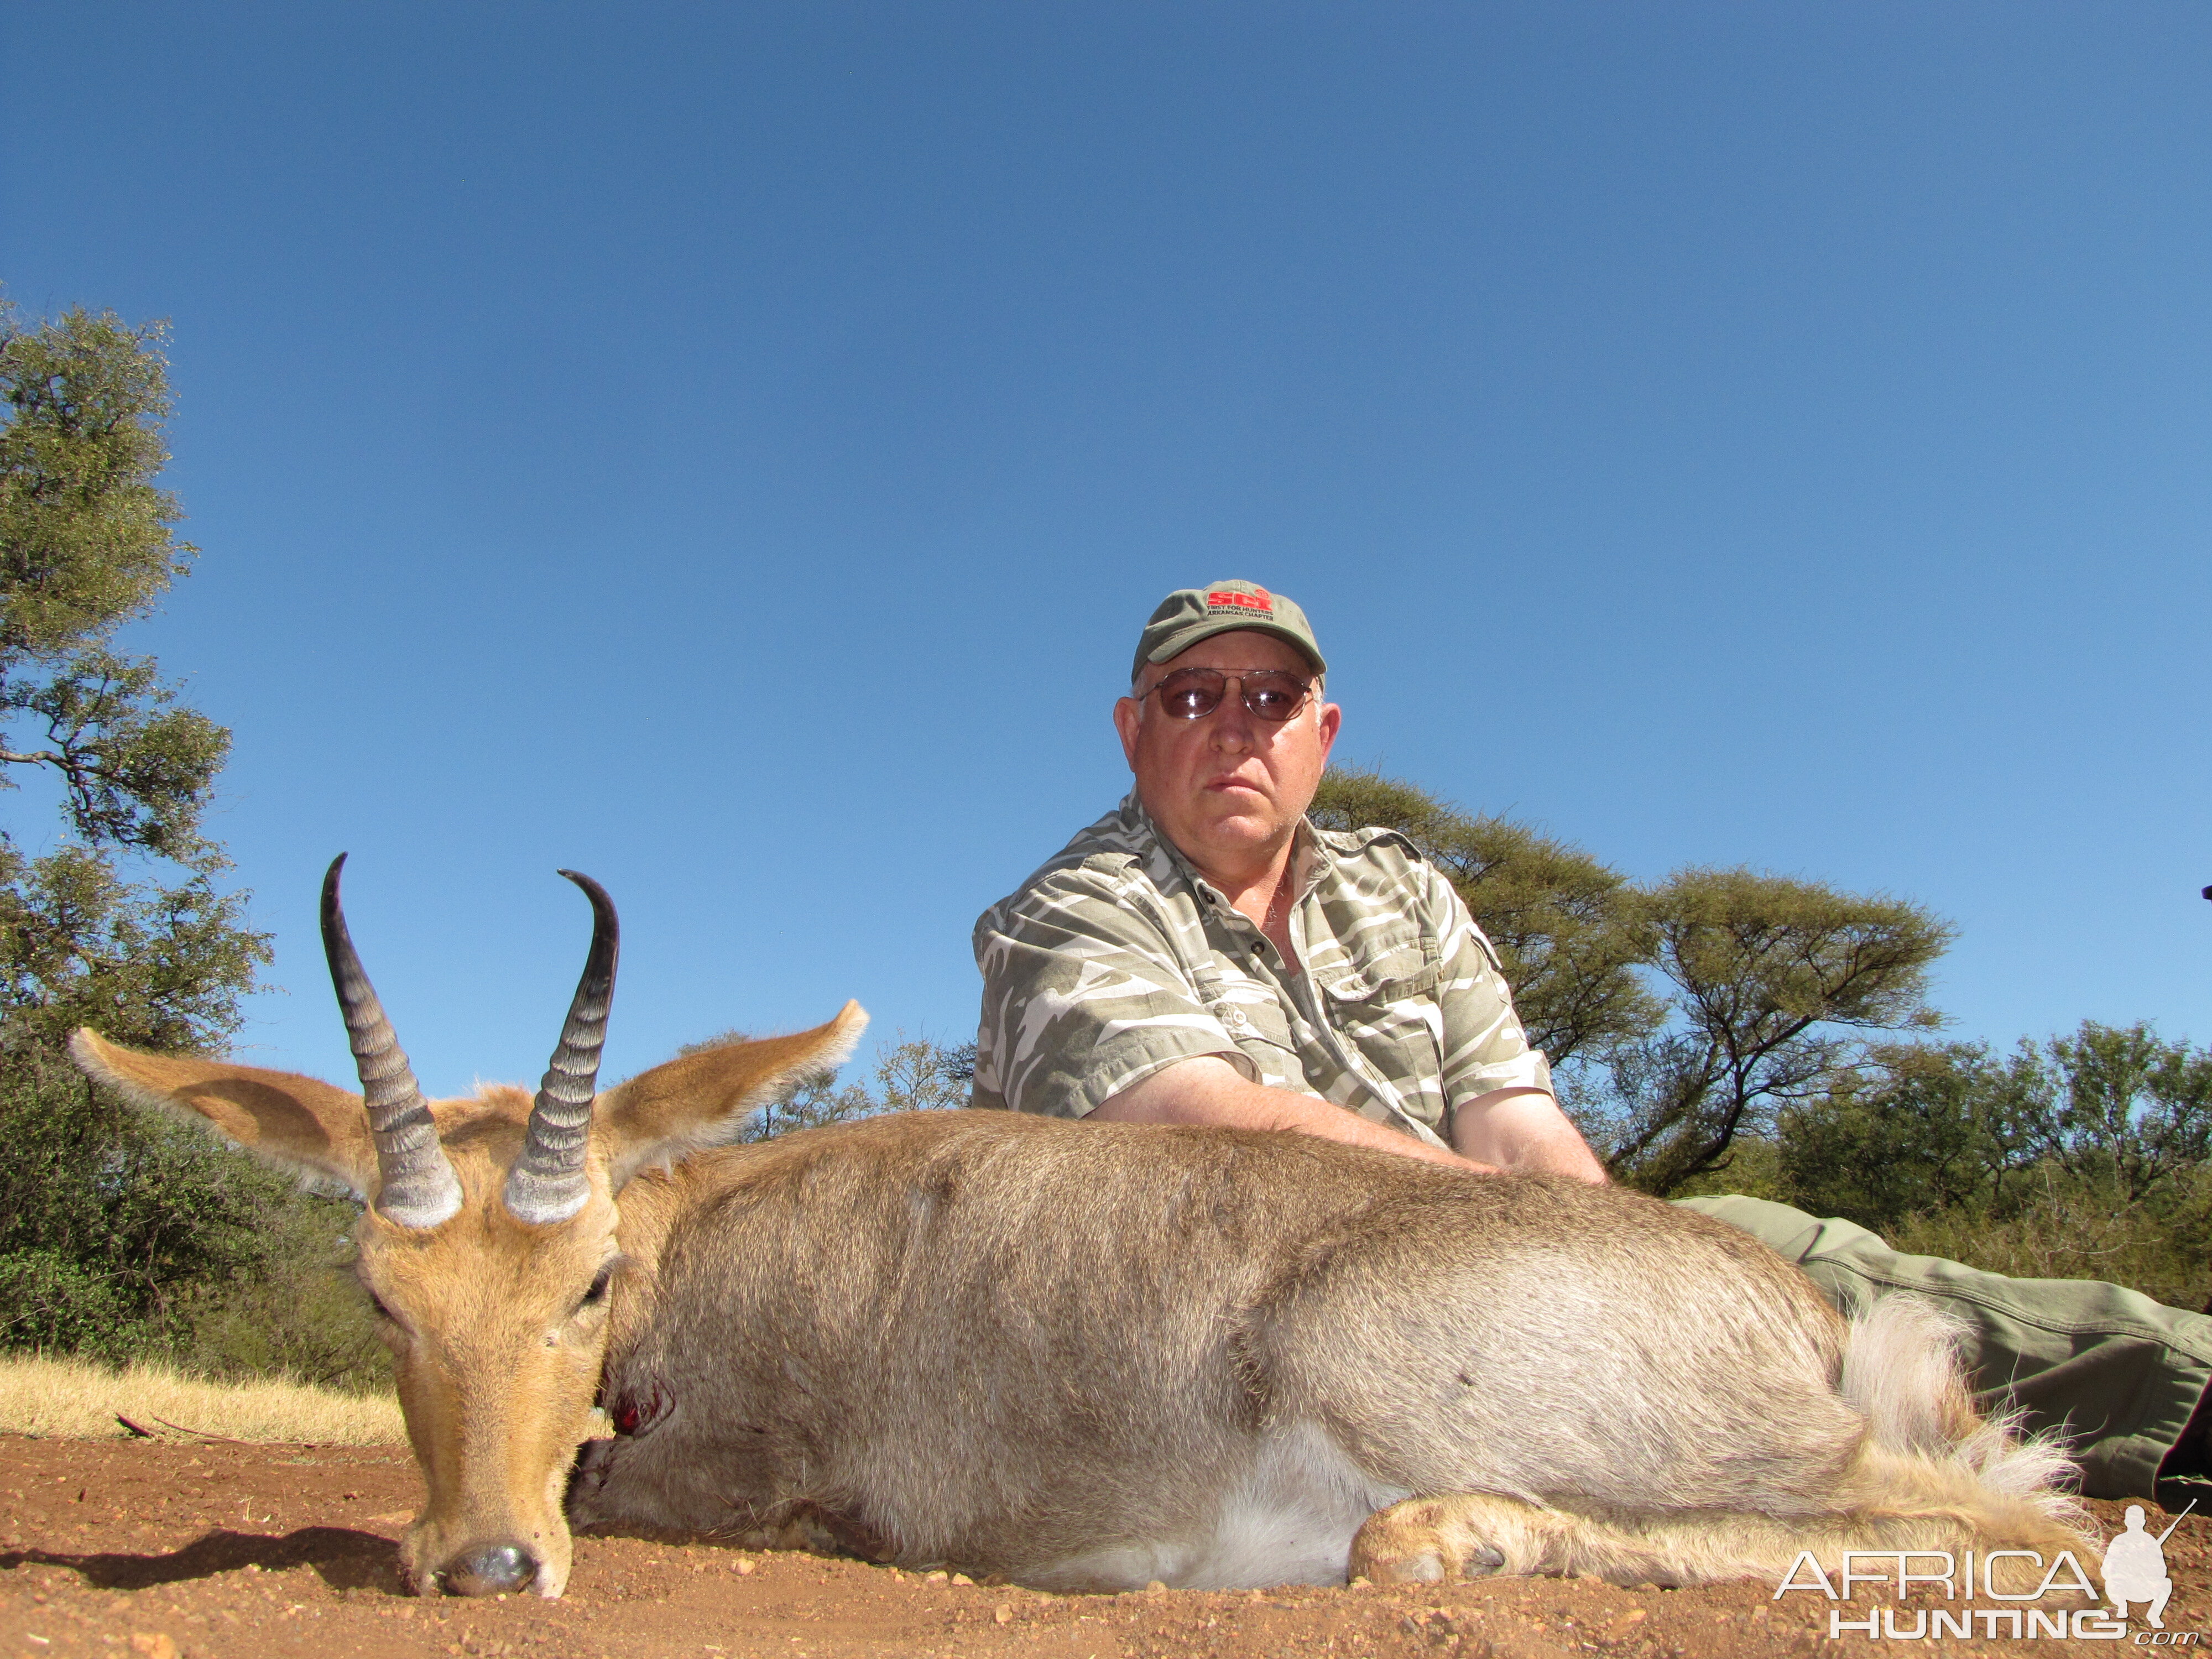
(2115, 1372)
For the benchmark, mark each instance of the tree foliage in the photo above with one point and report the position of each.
(124, 1234)
(1914, 1129)
(1679, 1017)
(1905, 1128)
(121, 925)
(2082, 1156)
(1568, 931)
(85, 535)
(2119, 1107)
(912, 1074)
(113, 1228)
(1769, 980)
(156, 966)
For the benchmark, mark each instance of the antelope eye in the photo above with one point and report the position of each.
(382, 1312)
(598, 1294)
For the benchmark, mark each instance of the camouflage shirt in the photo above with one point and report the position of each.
(1117, 959)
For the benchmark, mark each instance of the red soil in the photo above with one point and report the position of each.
(163, 1548)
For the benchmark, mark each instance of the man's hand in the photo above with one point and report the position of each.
(1206, 1090)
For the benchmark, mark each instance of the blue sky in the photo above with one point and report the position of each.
(730, 450)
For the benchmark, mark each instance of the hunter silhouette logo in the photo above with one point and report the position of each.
(2135, 1568)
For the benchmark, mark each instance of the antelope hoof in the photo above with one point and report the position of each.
(1424, 1541)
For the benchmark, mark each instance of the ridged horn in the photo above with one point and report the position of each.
(548, 1183)
(416, 1186)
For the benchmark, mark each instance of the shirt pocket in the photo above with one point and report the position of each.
(1388, 1009)
(1395, 971)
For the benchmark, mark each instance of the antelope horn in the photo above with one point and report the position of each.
(415, 1186)
(548, 1183)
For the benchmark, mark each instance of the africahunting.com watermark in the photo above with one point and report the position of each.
(2133, 1570)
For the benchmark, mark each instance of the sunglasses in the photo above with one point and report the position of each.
(1269, 694)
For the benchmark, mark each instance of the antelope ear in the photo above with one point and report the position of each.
(703, 1099)
(293, 1121)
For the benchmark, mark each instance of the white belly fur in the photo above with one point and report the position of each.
(1290, 1520)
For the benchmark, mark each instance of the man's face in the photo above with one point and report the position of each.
(1228, 789)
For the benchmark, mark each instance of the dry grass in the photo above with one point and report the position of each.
(77, 1400)
(2065, 1231)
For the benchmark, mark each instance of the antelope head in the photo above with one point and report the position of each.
(490, 1236)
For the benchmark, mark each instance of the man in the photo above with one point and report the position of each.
(2134, 1571)
(1203, 955)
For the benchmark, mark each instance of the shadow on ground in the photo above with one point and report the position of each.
(342, 1558)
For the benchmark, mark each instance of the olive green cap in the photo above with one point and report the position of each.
(1191, 614)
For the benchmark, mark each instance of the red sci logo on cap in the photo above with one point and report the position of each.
(1221, 599)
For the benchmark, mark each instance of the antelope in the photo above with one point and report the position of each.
(1084, 1356)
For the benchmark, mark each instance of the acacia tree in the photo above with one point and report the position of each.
(106, 1222)
(1772, 985)
(1914, 1129)
(1569, 931)
(1678, 1017)
(1907, 1129)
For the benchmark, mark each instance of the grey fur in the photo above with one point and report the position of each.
(1089, 1355)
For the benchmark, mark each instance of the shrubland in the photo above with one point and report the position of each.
(1728, 1030)
(1721, 1030)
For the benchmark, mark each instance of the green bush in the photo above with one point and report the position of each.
(48, 1301)
(297, 1312)
(2082, 1157)
(125, 1236)
(2064, 1227)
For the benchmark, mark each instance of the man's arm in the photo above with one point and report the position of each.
(1524, 1131)
(1520, 1130)
(1502, 1111)
(1209, 1090)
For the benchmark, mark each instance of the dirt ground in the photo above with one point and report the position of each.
(163, 1548)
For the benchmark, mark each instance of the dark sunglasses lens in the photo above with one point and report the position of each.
(1273, 696)
(1192, 694)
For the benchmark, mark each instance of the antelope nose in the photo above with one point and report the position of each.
(488, 1569)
